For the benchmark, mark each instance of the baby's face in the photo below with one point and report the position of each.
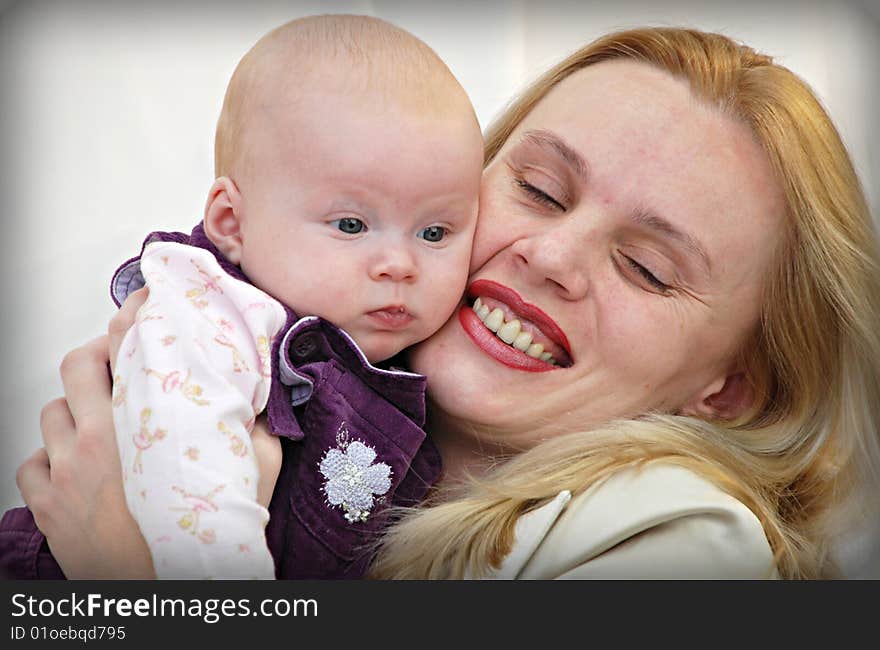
(363, 217)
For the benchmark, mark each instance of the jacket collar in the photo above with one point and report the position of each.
(529, 532)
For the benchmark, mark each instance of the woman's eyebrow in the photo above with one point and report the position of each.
(658, 224)
(549, 140)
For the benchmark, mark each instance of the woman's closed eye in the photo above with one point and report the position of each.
(538, 195)
(646, 275)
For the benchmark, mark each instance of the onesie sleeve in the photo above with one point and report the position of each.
(192, 374)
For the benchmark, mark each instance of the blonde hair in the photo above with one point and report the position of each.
(356, 54)
(805, 458)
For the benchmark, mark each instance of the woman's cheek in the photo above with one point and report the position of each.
(492, 233)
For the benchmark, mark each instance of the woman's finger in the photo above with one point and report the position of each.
(267, 450)
(123, 320)
(57, 428)
(86, 380)
(32, 479)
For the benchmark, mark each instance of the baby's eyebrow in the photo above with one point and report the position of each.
(549, 140)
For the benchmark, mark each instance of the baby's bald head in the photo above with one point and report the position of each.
(364, 58)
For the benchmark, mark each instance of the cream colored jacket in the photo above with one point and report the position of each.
(660, 522)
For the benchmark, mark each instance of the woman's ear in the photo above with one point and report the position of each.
(223, 218)
(727, 398)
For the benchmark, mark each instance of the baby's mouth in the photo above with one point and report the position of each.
(392, 317)
(518, 333)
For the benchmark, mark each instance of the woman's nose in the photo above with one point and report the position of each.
(394, 263)
(556, 257)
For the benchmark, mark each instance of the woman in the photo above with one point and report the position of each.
(675, 217)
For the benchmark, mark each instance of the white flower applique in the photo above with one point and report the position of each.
(352, 478)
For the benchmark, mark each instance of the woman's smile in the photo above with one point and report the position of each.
(514, 332)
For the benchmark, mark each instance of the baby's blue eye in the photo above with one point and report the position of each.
(350, 225)
(433, 233)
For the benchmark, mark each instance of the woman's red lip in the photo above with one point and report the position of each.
(494, 347)
(512, 299)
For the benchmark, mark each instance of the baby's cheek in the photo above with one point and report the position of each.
(329, 298)
(443, 300)
(432, 323)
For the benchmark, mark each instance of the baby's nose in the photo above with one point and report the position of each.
(395, 264)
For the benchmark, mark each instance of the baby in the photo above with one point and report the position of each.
(348, 164)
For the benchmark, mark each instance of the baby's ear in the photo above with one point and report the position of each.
(727, 398)
(222, 218)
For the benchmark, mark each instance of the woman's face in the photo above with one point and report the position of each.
(628, 228)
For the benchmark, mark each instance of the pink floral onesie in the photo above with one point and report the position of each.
(192, 375)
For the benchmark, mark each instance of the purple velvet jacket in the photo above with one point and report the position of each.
(320, 381)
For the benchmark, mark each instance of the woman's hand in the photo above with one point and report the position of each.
(267, 450)
(73, 485)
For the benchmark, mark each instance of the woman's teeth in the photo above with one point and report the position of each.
(511, 332)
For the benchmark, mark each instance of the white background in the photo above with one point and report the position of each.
(107, 114)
